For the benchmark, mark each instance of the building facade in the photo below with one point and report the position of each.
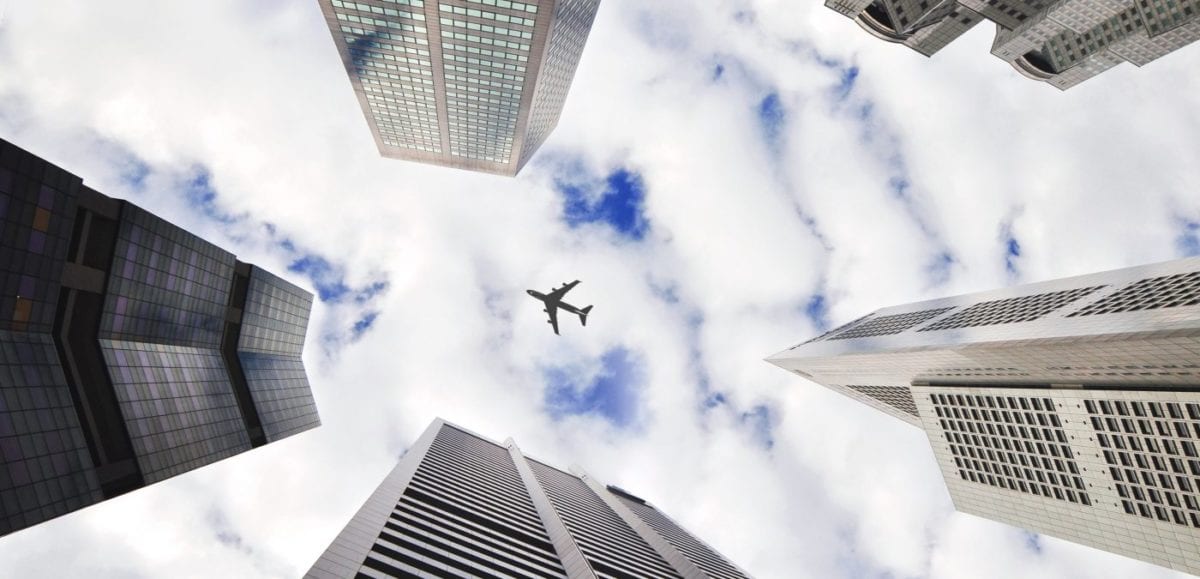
(1070, 407)
(1063, 42)
(131, 351)
(470, 84)
(460, 505)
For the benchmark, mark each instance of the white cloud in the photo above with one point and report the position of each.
(255, 95)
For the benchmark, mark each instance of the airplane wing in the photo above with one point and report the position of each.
(553, 313)
(558, 293)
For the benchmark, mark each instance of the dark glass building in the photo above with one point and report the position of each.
(460, 505)
(130, 350)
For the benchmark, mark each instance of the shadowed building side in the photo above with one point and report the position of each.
(116, 362)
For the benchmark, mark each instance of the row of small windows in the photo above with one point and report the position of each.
(369, 9)
(376, 102)
(413, 3)
(397, 89)
(484, 82)
(377, 93)
(484, 62)
(460, 107)
(382, 23)
(485, 40)
(466, 100)
(409, 83)
(479, 72)
(485, 28)
(417, 123)
(391, 57)
(1010, 417)
(394, 104)
(521, 6)
(1143, 409)
(361, 37)
(486, 91)
(485, 51)
(1009, 402)
(395, 67)
(414, 146)
(486, 15)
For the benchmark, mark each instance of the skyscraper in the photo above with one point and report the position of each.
(461, 505)
(1062, 43)
(471, 84)
(1070, 407)
(130, 350)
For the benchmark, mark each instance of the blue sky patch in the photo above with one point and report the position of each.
(1188, 241)
(941, 267)
(202, 197)
(327, 279)
(846, 82)
(365, 323)
(612, 393)
(817, 311)
(760, 423)
(620, 204)
(771, 118)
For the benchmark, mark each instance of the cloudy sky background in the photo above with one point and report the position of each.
(729, 178)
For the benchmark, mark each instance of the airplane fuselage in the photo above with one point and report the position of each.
(550, 302)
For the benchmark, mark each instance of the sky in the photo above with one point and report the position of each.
(728, 179)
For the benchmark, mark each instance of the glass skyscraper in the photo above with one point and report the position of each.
(1069, 407)
(460, 505)
(131, 351)
(1062, 42)
(471, 84)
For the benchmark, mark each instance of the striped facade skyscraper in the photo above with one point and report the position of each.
(460, 505)
(470, 84)
(1070, 407)
(1063, 42)
(131, 351)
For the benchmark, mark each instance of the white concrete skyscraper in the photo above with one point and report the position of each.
(460, 505)
(471, 84)
(1062, 42)
(1070, 407)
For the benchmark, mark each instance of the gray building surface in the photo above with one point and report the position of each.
(131, 351)
(1070, 407)
(470, 84)
(460, 505)
(1062, 42)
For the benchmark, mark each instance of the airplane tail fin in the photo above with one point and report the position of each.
(583, 315)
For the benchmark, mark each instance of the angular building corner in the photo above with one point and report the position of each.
(1069, 407)
(131, 350)
(469, 84)
(1062, 43)
(459, 505)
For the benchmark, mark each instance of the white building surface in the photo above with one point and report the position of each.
(1062, 42)
(1069, 407)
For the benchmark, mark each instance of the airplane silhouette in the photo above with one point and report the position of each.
(553, 301)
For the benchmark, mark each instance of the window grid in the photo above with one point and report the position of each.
(887, 325)
(1169, 291)
(1151, 451)
(1011, 442)
(1011, 310)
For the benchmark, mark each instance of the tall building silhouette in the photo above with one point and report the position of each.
(1070, 407)
(460, 505)
(470, 84)
(1062, 43)
(131, 351)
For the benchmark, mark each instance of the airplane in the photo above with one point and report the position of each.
(553, 301)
